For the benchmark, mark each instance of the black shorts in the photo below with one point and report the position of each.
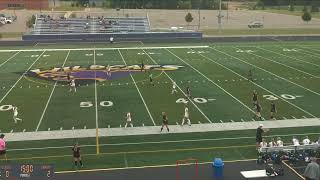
(76, 156)
(150, 79)
(258, 140)
(2, 152)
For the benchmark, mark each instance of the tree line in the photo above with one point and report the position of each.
(154, 4)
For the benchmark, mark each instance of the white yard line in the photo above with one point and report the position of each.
(180, 89)
(250, 109)
(90, 49)
(49, 99)
(95, 90)
(134, 82)
(9, 58)
(256, 84)
(288, 56)
(316, 54)
(14, 85)
(268, 72)
(268, 59)
(308, 54)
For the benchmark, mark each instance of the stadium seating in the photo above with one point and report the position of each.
(47, 25)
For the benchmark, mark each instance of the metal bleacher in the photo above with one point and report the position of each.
(94, 25)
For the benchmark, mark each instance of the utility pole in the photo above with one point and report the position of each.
(199, 19)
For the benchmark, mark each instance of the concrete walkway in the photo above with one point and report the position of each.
(146, 130)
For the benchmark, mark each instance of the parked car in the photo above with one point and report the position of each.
(255, 24)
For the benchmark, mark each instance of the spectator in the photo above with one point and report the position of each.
(312, 171)
(3, 147)
(263, 144)
(272, 143)
(306, 141)
(279, 142)
(259, 135)
(295, 141)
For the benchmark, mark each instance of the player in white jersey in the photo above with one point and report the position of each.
(306, 141)
(186, 116)
(174, 86)
(108, 70)
(73, 86)
(129, 120)
(15, 114)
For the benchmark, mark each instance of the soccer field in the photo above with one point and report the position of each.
(34, 80)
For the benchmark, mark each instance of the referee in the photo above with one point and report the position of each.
(259, 133)
(3, 147)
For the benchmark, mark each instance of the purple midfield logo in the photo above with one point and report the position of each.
(97, 72)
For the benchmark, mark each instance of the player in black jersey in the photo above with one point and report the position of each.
(258, 111)
(273, 110)
(164, 121)
(250, 76)
(68, 77)
(188, 92)
(255, 97)
(142, 66)
(77, 155)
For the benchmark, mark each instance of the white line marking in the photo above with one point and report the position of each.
(304, 117)
(269, 72)
(212, 81)
(95, 89)
(61, 128)
(190, 100)
(49, 129)
(221, 121)
(284, 117)
(90, 49)
(268, 59)
(134, 82)
(49, 99)
(11, 131)
(24, 130)
(242, 120)
(254, 82)
(9, 58)
(20, 78)
(288, 56)
(161, 142)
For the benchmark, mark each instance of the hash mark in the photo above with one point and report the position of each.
(221, 121)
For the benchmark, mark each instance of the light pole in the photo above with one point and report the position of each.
(219, 16)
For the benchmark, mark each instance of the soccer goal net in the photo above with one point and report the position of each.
(187, 169)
